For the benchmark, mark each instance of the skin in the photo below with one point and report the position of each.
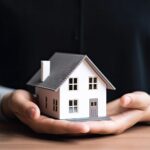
(125, 112)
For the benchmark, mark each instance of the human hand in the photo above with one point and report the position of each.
(21, 104)
(124, 112)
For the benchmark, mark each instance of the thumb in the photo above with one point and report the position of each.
(136, 100)
(22, 104)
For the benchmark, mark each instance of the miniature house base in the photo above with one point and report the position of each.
(106, 118)
(90, 119)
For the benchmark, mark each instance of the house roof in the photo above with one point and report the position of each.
(62, 65)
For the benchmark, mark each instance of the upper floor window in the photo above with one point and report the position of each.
(92, 83)
(73, 83)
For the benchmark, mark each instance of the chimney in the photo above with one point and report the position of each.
(45, 69)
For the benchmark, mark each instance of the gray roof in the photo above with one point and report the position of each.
(62, 65)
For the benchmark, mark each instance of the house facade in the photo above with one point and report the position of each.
(81, 94)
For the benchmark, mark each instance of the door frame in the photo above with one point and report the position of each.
(93, 107)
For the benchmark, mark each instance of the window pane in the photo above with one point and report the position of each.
(95, 103)
(75, 87)
(90, 86)
(75, 80)
(70, 87)
(90, 80)
(56, 102)
(95, 86)
(70, 103)
(75, 109)
(95, 80)
(75, 102)
(56, 108)
(70, 109)
(70, 81)
(91, 103)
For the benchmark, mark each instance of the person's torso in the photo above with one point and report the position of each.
(114, 34)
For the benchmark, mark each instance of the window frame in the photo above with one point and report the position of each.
(73, 106)
(73, 84)
(93, 83)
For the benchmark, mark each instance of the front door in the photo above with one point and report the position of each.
(93, 108)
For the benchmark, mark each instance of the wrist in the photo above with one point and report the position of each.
(6, 106)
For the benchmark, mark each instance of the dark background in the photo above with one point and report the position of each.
(114, 34)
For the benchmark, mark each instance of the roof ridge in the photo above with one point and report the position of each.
(69, 53)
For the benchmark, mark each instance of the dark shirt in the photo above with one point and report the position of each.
(114, 34)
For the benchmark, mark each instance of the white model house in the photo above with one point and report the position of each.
(70, 86)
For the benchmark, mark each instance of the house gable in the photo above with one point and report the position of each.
(82, 72)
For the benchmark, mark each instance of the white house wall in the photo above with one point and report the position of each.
(83, 94)
(42, 93)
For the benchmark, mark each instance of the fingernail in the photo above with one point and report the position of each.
(31, 112)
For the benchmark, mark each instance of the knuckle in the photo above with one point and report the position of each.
(15, 95)
(13, 101)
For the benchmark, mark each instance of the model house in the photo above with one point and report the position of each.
(70, 86)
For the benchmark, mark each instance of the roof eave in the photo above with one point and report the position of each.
(109, 85)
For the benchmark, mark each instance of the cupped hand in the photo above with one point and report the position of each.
(125, 112)
(22, 105)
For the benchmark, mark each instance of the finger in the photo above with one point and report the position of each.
(114, 104)
(138, 100)
(21, 103)
(118, 124)
(52, 126)
(126, 120)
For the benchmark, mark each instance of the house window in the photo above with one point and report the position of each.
(73, 84)
(46, 102)
(73, 106)
(93, 103)
(55, 105)
(92, 83)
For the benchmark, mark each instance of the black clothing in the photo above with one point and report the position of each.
(114, 34)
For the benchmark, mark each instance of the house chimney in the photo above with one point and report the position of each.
(45, 69)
